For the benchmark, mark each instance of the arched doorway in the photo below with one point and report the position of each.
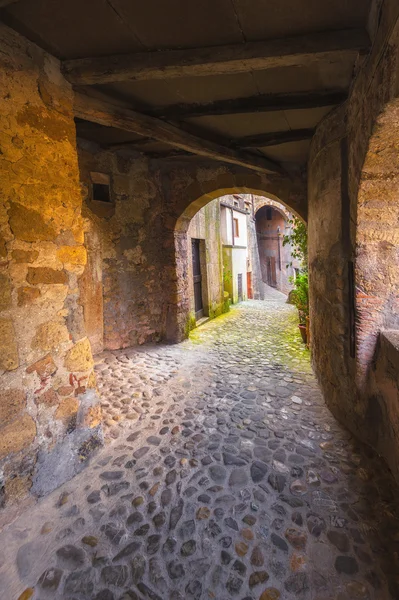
(180, 313)
(377, 287)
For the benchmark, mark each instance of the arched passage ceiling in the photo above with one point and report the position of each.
(241, 81)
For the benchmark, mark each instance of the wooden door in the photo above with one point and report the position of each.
(197, 279)
(249, 285)
(271, 271)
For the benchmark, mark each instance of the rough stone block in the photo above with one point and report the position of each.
(50, 336)
(46, 275)
(65, 390)
(24, 256)
(74, 255)
(64, 461)
(43, 367)
(3, 247)
(28, 225)
(8, 346)
(27, 295)
(67, 409)
(12, 402)
(17, 435)
(49, 397)
(79, 358)
(5, 292)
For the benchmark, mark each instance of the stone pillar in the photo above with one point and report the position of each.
(46, 362)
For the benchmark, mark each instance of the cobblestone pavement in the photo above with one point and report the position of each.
(226, 477)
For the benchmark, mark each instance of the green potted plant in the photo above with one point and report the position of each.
(300, 298)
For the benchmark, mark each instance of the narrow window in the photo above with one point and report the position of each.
(236, 228)
(100, 187)
(101, 192)
(269, 214)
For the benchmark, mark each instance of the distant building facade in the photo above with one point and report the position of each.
(273, 222)
(225, 265)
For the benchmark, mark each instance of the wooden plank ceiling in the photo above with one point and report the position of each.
(241, 81)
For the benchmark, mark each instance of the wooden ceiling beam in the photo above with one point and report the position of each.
(262, 140)
(216, 60)
(4, 3)
(104, 113)
(252, 104)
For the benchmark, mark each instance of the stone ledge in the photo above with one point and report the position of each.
(389, 340)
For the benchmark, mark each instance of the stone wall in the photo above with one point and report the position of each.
(270, 235)
(189, 185)
(383, 389)
(205, 226)
(353, 229)
(124, 295)
(47, 392)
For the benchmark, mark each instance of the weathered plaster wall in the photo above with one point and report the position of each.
(127, 260)
(205, 225)
(46, 362)
(270, 243)
(353, 215)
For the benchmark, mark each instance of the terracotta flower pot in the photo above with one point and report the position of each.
(302, 329)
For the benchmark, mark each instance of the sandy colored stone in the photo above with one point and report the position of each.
(93, 416)
(17, 435)
(17, 488)
(154, 489)
(297, 562)
(24, 256)
(92, 380)
(90, 540)
(247, 534)
(3, 247)
(5, 292)
(79, 358)
(27, 295)
(29, 225)
(43, 367)
(270, 594)
(8, 346)
(74, 255)
(49, 397)
(203, 513)
(12, 402)
(28, 593)
(46, 275)
(50, 335)
(68, 407)
(65, 390)
(241, 548)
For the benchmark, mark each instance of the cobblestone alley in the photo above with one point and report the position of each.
(225, 476)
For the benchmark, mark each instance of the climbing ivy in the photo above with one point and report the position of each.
(298, 239)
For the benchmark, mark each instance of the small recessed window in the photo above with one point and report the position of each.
(236, 203)
(269, 214)
(100, 185)
(101, 192)
(236, 228)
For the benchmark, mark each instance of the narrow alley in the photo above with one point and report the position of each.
(225, 477)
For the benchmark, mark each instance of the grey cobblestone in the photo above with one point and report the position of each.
(225, 476)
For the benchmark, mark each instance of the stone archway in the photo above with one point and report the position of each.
(377, 239)
(222, 184)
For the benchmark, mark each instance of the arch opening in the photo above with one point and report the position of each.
(216, 245)
(377, 286)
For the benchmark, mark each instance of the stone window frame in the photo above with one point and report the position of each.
(97, 177)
